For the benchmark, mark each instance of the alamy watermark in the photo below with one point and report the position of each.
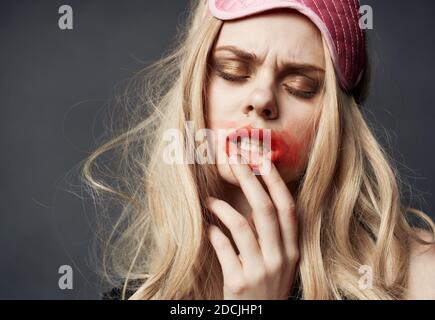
(66, 280)
(65, 21)
(366, 280)
(253, 145)
(366, 19)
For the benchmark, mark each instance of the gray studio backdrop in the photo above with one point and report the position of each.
(54, 84)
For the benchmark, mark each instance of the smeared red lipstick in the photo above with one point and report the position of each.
(275, 144)
(285, 149)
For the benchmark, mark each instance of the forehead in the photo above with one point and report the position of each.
(285, 34)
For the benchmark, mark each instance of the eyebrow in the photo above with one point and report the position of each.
(251, 57)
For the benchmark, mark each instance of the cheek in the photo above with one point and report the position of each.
(290, 149)
(294, 140)
(215, 100)
(223, 102)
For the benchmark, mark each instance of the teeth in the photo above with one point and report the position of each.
(250, 145)
(246, 145)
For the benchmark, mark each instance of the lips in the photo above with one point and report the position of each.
(257, 140)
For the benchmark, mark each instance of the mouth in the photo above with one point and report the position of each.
(253, 144)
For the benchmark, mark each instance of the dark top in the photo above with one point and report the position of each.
(116, 294)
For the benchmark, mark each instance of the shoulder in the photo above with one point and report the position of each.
(421, 281)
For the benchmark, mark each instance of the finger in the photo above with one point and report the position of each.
(241, 232)
(229, 261)
(264, 216)
(285, 205)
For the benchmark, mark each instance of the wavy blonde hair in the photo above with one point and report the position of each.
(348, 201)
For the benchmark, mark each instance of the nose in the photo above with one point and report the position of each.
(262, 102)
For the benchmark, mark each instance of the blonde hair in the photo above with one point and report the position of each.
(348, 201)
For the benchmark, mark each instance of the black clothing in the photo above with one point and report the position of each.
(116, 294)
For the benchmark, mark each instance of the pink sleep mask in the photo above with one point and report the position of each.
(338, 21)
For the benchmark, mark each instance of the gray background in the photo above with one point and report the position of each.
(54, 85)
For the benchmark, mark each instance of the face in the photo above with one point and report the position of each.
(266, 72)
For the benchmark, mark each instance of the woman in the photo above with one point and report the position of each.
(324, 221)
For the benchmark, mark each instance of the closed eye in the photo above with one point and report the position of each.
(231, 77)
(300, 93)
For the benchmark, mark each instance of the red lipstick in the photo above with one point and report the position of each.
(265, 138)
(285, 149)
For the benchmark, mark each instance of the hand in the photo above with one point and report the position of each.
(264, 269)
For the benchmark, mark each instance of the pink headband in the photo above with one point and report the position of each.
(338, 20)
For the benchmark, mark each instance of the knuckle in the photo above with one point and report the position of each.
(240, 224)
(267, 208)
(237, 287)
(294, 255)
(288, 209)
